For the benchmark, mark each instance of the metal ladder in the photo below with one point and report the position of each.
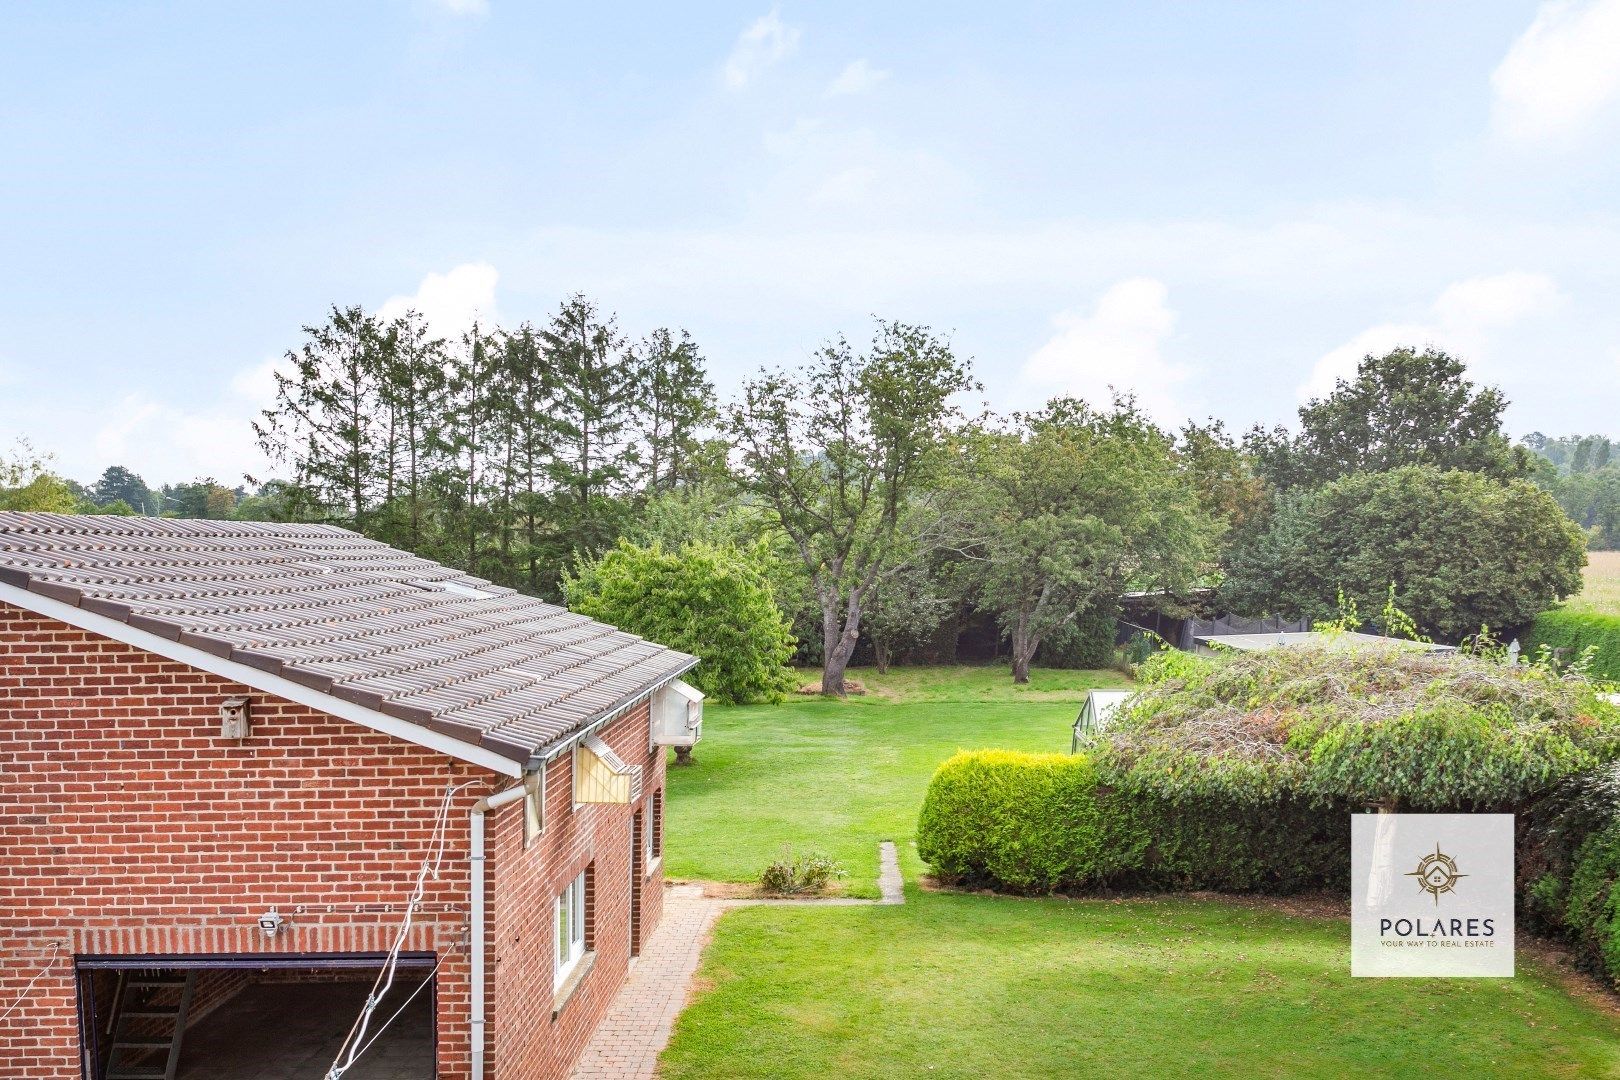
(158, 996)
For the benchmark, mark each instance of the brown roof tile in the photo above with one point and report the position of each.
(346, 616)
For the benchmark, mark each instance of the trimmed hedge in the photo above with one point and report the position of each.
(1575, 631)
(1037, 823)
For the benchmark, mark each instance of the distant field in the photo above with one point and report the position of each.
(1602, 591)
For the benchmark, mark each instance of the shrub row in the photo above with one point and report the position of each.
(1240, 772)
(1038, 823)
(1569, 863)
(1575, 632)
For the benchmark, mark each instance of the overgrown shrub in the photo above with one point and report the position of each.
(800, 875)
(713, 602)
(1573, 632)
(1592, 910)
(1050, 822)
(1355, 725)
(1087, 642)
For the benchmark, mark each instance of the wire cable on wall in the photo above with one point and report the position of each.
(423, 985)
(356, 1043)
(22, 997)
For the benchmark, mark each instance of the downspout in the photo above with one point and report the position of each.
(478, 989)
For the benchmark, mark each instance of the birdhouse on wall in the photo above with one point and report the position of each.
(233, 718)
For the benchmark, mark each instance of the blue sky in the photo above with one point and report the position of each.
(1218, 207)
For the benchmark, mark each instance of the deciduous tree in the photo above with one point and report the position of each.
(1403, 408)
(710, 601)
(843, 453)
(1462, 549)
(1068, 510)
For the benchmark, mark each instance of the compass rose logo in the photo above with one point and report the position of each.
(1437, 874)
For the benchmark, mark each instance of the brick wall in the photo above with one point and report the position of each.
(527, 1040)
(128, 826)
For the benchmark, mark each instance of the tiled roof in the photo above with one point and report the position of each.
(346, 616)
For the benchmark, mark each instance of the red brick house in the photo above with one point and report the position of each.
(250, 772)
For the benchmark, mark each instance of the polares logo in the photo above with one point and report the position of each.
(1437, 874)
(1415, 911)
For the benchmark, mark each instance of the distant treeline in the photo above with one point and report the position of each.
(1583, 474)
(884, 513)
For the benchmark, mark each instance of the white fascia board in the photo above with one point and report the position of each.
(566, 743)
(264, 681)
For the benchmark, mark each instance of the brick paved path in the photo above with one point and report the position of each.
(629, 1039)
(626, 1044)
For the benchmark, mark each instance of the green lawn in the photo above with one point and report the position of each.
(1601, 591)
(952, 985)
(976, 986)
(840, 776)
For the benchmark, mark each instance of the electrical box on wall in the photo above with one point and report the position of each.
(233, 718)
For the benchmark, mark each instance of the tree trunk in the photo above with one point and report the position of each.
(880, 657)
(838, 645)
(1024, 645)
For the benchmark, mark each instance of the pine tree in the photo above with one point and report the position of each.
(676, 400)
(593, 408)
(327, 421)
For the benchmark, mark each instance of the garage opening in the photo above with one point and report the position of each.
(256, 1017)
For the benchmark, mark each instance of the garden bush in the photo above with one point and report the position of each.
(713, 602)
(1569, 866)
(1574, 632)
(1048, 822)
(1087, 642)
(800, 875)
(1592, 911)
(1028, 822)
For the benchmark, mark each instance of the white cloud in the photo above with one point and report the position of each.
(450, 301)
(1498, 300)
(1467, 315)
(766, 42)
(168, 443)
(858, 77)
(1119, 344)
(844, 174)
(1561, 73)
(476, 8)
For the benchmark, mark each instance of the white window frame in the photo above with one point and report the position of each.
(568, 917)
